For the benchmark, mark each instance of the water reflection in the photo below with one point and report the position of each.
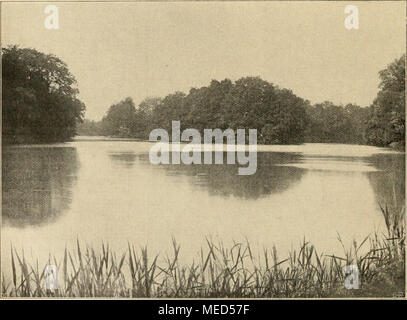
(125, 159)
(388, 183)
(37, 184)
(117, 196)
(38, 181)
(344, 164)
(223, 179)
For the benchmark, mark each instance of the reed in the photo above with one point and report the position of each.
(220, 271)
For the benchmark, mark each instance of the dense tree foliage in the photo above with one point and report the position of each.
(40, 105)
(386, 124)
(249, 103)
(279, 115)
(120, 119)
(39, 97)
(336, 124)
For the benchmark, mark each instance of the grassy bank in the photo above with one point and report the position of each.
(221, 272)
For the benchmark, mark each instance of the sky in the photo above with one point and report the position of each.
(142, 49)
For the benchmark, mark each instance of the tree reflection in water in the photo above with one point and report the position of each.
(389, 182)
(125, 159)
(37, 183)
(223, 179)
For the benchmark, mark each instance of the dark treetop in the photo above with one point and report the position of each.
(39, 98)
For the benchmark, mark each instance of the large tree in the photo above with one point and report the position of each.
(119, 119)
(387, 120)
(39, 99)
(144, 117)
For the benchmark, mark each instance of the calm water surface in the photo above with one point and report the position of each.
(108, 191)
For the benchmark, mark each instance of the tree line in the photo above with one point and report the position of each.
(279, 116)
(40, 104)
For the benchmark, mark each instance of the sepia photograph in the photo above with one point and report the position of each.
(203, 150)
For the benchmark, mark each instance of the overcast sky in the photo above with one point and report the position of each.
(117, 50)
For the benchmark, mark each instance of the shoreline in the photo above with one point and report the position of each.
(221, 272)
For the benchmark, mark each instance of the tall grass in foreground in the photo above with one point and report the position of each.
(220, 271)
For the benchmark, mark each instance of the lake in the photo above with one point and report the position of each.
(99, 190)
